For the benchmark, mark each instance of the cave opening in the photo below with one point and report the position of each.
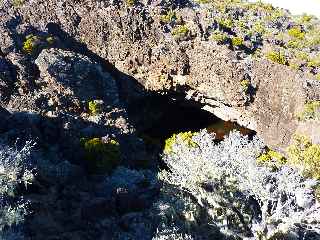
(157, 117)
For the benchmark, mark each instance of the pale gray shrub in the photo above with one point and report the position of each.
(16, 173)
(15, 168)
(171, 234)
(242, 198)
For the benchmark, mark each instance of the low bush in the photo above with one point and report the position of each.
(311, 111)
(306, 156)
(16, 176)
(101, 156)
(277, 56)
(242, 197)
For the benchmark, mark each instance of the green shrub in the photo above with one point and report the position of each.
(295, 44)
(296, 32)
(180, 31)
(50, 40)
(294, 66)
(101, 156)
(237, 41)
(31, 43)
(226, 23)
(314, 62)
(305, 155)
(168, 17)
(311, 111)
(302, 55)
(259, 27)
(305, 18)
(18, 3)
(94, 107)
(271, 158)
(277, 56)
(131, 2)
(314, 40)
(245, 85)
(219, 37)
(186, 138)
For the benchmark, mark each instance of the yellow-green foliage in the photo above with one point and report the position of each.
(313, 38)
(94, 107)
(314, 62)
(271, 158)
(318, 76)
(18, 3)
(275, 14)
(259, 5)
(237, 41)
(131, 2)
(180, 31)
(296, 32)
(295, 44)
(101, 157)
(219, 37)
(185, 137)
(31, 43)
(317, 192)
(302, 55)
(226, 23)
(259, 27)
(277, 56)
(34, 43)
(203, 1)
(169, 16)
(305, 18)
(245, 84)
(50, 40)
(311, 111)
(305, 155)
(294, 66)
(241, 24)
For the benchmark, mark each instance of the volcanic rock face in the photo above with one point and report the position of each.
(67, 80)
(135, 40)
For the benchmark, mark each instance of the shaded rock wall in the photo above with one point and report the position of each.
(135, 40)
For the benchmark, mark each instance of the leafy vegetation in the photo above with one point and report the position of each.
(262, 25)
(180, 31)
(311, 111)
(17, 174)
(131, 2)
(169, 16)
(18, 3)
(305, 155)
(94, 107)
(245, 85)
(221, 177)
(219, 37)
(296, 32)
(277, 56)
(185, 137)
(101, 156)
(237, 41)
(33, 43)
